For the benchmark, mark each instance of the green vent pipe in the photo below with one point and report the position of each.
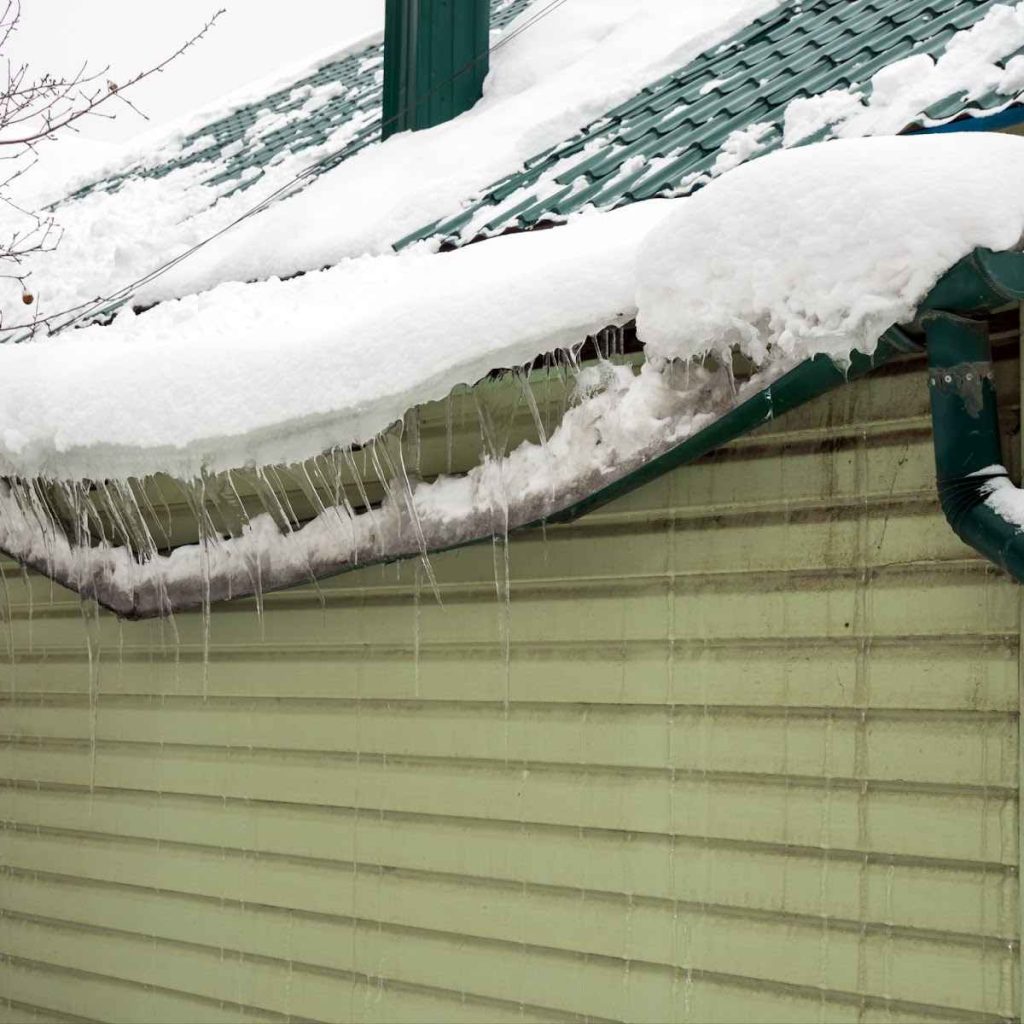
(435, 61)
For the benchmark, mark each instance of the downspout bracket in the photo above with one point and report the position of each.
(966, 381)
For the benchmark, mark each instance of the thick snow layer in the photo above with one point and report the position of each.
(279, 370)
(804, 251)
(546, 82)
(817, 249)
(619, 422)
(821, 248)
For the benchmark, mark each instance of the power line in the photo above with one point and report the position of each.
(116, 299)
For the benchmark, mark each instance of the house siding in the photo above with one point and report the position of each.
(742, 746)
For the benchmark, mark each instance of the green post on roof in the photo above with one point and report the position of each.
(435, 60)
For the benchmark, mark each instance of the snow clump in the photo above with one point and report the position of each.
(820, 249)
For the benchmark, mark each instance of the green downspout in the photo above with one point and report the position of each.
(965, 414)
(965, 423)
(435, 61)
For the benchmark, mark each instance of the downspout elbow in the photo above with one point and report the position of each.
(975, 491)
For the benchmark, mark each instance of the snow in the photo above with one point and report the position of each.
(898, 96)
(108, 239)
(804, 251)
(620, 422)
(279, 370)
(901, 92)
(92, 160)
(741, 145)
(819, 249)
(557, 75)
(1001, 496)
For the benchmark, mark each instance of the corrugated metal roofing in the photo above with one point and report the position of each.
(343, 93)
(666, 139)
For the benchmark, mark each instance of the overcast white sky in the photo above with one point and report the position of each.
(251, 40)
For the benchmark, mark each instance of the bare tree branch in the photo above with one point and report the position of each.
(36, 109)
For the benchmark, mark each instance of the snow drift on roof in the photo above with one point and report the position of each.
(820, 249)
(275, 371)
(811, 250)
(557, 75)
(901, 93)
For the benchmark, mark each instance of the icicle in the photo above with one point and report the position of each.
(8, 609)
(256, 561)
(503, 590)
(531, 403)
(416, 626)
(449, 435)
(265, 490)
(280, 492)
(196, 496)
(93, 650)
(27, 583)
(144, 541)
(142, 499)
(410, 503)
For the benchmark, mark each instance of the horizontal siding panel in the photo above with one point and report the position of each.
(102, 998)
(276, 987)
(966, 976)
(14, 1012)
(954, 600)
(254, 836)
(954, 748)
(903, 672)
(928, 673)
(798, 890)
(895, 818)
(742, 747)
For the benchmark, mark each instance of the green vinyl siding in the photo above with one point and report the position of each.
(742, 747)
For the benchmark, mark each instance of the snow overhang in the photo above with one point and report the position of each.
(809, 301)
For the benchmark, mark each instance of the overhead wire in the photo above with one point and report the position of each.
(96, 307)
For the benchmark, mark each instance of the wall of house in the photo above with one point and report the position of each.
(742, 746)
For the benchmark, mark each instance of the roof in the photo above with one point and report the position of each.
(306, 334)
(667, 139)
(303, 114)
(796, 73)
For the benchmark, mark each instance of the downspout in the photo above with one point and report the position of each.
(965, 413)
(965, 422)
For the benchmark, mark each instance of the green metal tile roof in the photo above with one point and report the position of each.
(339, 103)
(667, 138)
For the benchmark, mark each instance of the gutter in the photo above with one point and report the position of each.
(1008, 117)
(967, 453)
(965, 421)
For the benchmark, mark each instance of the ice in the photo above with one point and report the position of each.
(804, 251)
